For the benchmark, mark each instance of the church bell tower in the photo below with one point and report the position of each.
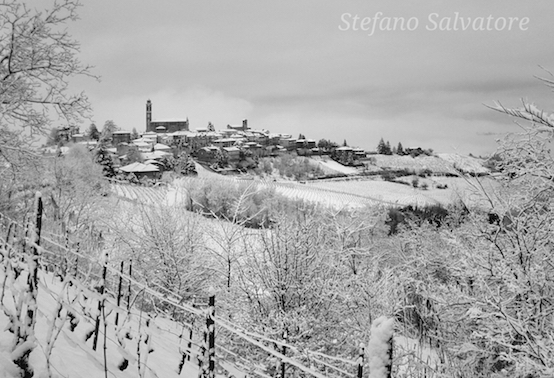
(148, 114)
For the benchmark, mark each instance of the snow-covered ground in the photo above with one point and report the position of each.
(152, 345)
(336, 193)
(73, 356)
(465, 163)
(150, 342)
(330, 166)
(469, 190)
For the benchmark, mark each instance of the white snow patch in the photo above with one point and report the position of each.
(381, 333)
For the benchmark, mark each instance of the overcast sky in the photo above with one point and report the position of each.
(294, 66)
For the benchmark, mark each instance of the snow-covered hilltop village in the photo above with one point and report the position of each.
(307, 220)
(168, 149)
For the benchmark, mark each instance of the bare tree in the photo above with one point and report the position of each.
(286, 273)
(481, 294)
(74, 187)
(37, 58)
(167, 247)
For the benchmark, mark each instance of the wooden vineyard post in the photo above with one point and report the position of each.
(100, 302)
(64, 262)
(7, 246)
(129, 292)
(33, 274)
(283, 366)
(189, 344)
(211, 336)
(185, 356)
(76, 268)
(34, 260)
(26, 329)
(119, 288)
(207, 361)
(36, 241)
(361, 360)
(389, 354)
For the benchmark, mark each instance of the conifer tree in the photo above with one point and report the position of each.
(102, 157)
(93, 132)
(101, 153)
(400, 149)
(388, 150)
(381, 147)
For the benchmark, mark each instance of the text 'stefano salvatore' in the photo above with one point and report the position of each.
(456, 22)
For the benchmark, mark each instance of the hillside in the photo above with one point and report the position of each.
(150, 332)
(71, 354)
(441, 164)
(469, 190)
(445, 185)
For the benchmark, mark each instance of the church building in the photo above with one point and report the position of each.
(166, 125)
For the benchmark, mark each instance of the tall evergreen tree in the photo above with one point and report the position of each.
(388, 150)
(381, 147)
(102, 157)
(101, 154)
(400, 149)
(93, 132)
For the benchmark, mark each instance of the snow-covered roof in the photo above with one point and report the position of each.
(210, 148)
(183, 133)
(154, 155)
(223, 140)
(138, 143)
(151, 161)
(161, 147)
(139, 167)
(257, 131)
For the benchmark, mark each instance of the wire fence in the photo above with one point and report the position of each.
(112, 301)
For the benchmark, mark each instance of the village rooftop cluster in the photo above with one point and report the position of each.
(208, 146)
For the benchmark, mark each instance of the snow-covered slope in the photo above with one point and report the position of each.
(144, 341)
(65, 353)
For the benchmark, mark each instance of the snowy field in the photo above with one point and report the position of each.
(466, 189)
(335, 193)
(441, 164)
(151, 345)
(71, 355)
(330, 166)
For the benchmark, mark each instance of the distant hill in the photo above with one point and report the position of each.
(442, 164)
